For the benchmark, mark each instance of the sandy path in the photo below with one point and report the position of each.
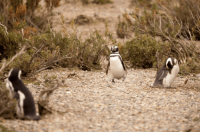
(93, 103)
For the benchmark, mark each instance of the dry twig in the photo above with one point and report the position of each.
(5, 64)
(6, 32)
(43, 101)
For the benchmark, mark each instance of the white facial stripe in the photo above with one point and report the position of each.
(19, 107)
(169, 60)
(19, 74)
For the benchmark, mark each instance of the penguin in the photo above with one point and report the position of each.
(167, 73)
(25, 107)
(116, 64)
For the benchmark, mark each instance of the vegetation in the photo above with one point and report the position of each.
(38, 47)
(4, 129)
(96, 1)
(141, 51)
(7, 105)
(28, 45)
(174, 22)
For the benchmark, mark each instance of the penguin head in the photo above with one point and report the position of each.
(170, 62)
(14, 74)
(114, 49)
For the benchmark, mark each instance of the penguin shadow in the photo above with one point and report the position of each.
(162, 87)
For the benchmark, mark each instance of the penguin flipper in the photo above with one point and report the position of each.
(163, 75)
(122, 63)
(107, 68)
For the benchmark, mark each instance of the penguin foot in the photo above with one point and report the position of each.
(113, 81)
(157, 86)
(35, 117)
(171, 87)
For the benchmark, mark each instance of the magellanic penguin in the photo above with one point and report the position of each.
(25, 107)
(117, 67)
(167, 73)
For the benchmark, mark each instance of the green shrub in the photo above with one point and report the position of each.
(49, 49)
(141, 51)
(86, 55)
(9, 43)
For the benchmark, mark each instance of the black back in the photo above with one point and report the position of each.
(162, 73)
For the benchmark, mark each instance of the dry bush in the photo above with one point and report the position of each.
(55, 49)
(122, 28)
(86, 55)
(14, 11)
(141, 3)
(185, 10)
(164, 19)
(7, 105)
(82, 20)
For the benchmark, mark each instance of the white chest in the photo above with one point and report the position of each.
(116, 67)
(168, 80)
(20, 105)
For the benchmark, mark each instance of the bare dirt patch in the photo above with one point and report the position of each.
(97, 13)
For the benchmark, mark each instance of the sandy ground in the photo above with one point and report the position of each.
(99, 14)
(91, 102)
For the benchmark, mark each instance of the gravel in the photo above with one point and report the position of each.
(91, 102)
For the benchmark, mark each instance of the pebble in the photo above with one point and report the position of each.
(97, 104)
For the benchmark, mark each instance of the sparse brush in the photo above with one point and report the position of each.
(7, 105)
(192, 66)
(173, 22)
(122, 28)
(141, 51)
(142, 3)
